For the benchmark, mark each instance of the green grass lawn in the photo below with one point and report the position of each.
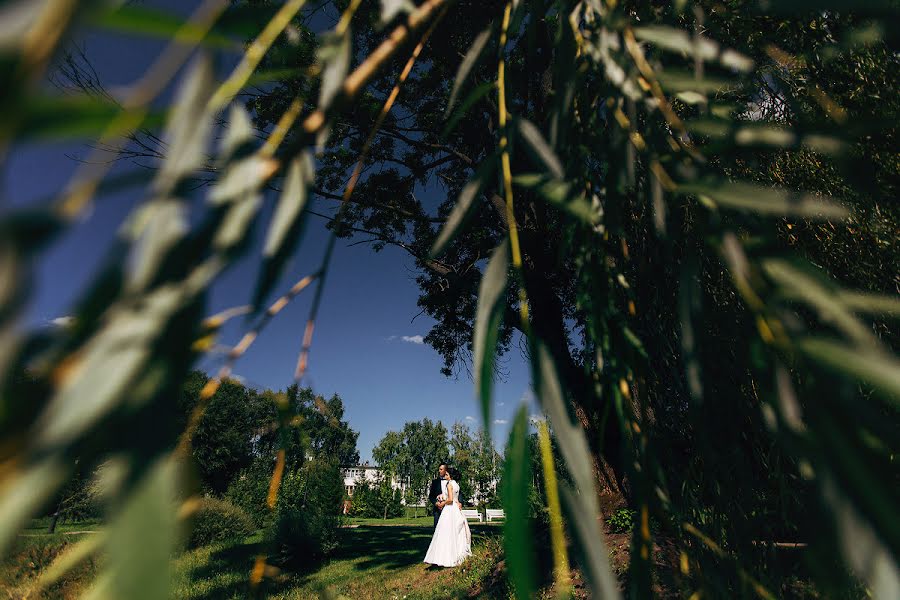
(371, 562)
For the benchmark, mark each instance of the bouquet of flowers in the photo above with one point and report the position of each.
(441, 498)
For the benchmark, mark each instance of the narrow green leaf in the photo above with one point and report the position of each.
(680, 41)
(70, 558)
(800, 284)
(141, 20)
(766, 200)
(880, 370)
(488, 318)
(154, 228)
(334, 56)
(68, 117)
(682, 81)
(464, 204)
(238, 134)
(108, 366)
(24, 493)
(143, 536)
(874, 304)
(574, 448)
(285, 230)
(392, 8)
(538, 147)
(465, 67)
(558, 193)
(474, 96)
(517, 535)
(189, 126)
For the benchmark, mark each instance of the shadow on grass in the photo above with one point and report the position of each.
(226, 572)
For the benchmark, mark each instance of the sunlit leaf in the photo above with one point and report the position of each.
(334, 56)
(675, 81)
(392, 8)
(23, 493)
(517, 536)
(488, 318)
(465, 67)
(765, 200)
(189, 127)
(286, 227)
(464, 205)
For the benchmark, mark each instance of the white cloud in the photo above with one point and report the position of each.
(63, 321)
(470, 418)
(500, 421)
(501, 404)
(413, 339)
(527, 396)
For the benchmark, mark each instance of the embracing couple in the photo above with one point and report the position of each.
(452, 540)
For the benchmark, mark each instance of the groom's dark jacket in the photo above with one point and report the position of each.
(433, 493)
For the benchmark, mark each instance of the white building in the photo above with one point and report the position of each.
(372, 474)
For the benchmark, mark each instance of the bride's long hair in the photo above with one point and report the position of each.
(454, 474)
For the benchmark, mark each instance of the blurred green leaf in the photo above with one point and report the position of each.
(766, 200)
(796, 283)
(538, 147)
(392, 8)
(517, 535)
(108, 366)
(466, 65)
(682, 81)
(155, 228)
(334, 58)
(680, 41)
(874, 304)
(584, 508)
(474, 96)
(25, 491)
(142, 20)
(876, 368)
(558, 193)
(70, 558)
(189, 127)
(464, 205)
(488, 318)
(143, 536)
(286, 228)
(68, 117)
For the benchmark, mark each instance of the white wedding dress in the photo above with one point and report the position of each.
(452, 540)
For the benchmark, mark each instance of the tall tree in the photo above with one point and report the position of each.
(414, 453)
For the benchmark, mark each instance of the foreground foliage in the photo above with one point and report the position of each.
(658, 212)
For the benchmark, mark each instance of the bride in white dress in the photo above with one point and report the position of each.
(452, 540)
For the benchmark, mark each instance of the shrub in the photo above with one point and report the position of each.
(219, 521)
(621, 521)
(309, 511)
(249, 491)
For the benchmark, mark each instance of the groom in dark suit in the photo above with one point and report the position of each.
(438, 487)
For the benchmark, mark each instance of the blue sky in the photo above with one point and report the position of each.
(367, 345)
